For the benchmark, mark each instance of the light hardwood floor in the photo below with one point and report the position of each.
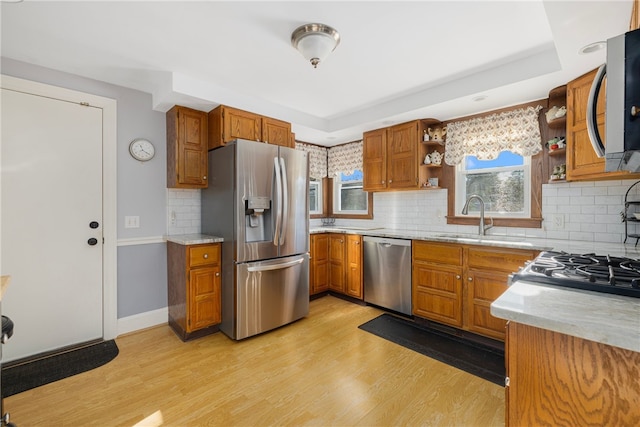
(319, 371)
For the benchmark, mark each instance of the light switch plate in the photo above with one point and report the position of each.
(131, 222)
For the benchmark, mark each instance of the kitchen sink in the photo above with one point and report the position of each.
(470, 238)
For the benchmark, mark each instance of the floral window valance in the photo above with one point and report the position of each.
(345, 158)
(485, 137)
(317, 159)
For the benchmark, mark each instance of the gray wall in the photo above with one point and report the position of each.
(142, 280)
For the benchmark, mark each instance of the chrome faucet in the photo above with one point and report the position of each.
(465, 210)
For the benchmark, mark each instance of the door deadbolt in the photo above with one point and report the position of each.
(92, 241)
(94, 224)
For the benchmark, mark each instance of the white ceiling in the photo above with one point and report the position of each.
(397, 61)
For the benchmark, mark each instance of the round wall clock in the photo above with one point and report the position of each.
(142, 149)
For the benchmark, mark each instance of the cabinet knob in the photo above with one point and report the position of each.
(470, 279)
(390, 181)
(382, 182)
(635, 111)
(217, 274)
(458, 276)
(205, 256)
(204, 177)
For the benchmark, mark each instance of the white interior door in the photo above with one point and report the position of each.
(51, 193)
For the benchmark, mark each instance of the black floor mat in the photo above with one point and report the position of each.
(482, 361)
(23, 377)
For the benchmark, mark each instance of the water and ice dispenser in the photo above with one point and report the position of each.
(257, 211)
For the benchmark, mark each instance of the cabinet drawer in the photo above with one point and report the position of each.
(507, 260)
(441, 253)
(204, 255)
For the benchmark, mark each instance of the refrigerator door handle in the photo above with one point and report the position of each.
(285, 201)
(276, 235)
(275, 266)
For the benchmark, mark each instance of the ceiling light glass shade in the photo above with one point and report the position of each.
(315, 42)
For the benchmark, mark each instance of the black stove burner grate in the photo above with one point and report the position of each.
(614, 275)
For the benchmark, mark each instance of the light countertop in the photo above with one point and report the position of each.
(604, 318)
(516, 242)
(193, 239)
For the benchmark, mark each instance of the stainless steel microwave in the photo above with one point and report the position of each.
(622, 112)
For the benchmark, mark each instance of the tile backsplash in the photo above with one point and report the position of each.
(586, 211)
(183, 211)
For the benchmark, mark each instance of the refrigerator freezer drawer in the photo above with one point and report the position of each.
(271, 294)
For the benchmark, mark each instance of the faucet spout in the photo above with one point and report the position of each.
(482, 228)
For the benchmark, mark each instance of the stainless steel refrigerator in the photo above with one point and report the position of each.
(257, 200)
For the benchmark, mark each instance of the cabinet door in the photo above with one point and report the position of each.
(319, 263)
(204, 298)
(484, 287)
(582, 162)
(276, 132)
(336, 263)
(437, 293)
(354, 266)
(239, 124)
(486, 276)
(402, 163)
(186, 148)
(374, 149)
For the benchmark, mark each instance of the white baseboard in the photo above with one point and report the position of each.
(143, 320)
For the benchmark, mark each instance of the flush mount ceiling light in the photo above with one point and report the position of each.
(315, 42)
(592, 47)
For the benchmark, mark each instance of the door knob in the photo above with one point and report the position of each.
(94, 224)
(92, 241)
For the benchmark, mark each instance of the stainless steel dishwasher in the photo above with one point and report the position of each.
(387, 273)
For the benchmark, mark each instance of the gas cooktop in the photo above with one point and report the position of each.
(612, 275)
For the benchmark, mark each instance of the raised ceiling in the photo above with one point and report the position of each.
(396, 61)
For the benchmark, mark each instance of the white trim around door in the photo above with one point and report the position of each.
(109, 153)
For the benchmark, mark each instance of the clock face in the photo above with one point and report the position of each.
(141, 149)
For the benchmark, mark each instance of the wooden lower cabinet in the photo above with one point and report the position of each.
(437, 282)
(560, 380)
(455, 284)
(354, 266)
(319, 265)
(337, 264)
(337, 254)
(487, 270)
(194, 289)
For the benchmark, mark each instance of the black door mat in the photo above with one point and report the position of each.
(476, 359)
(23, 377)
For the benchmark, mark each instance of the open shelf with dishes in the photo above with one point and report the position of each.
(555, 118)
(431, 153)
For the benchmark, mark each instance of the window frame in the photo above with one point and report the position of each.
(319, 196)
(462, 172)
(327, 204)
(538, 165)
(337, 196)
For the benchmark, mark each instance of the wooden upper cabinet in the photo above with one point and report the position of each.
(390, 158)
(276, 132)
(186, 148)
(582, 162)
(374, 164)
(227, 124)
(402, 165)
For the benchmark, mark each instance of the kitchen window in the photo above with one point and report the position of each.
(504, 184)
(348, 196)
(315, 196)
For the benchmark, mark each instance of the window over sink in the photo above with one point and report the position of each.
(504, 184)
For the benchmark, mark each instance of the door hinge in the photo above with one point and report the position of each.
(507, 381)
(85, 104)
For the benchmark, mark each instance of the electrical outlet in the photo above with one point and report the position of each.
(172, 218)
(131, 222)
(558, 221)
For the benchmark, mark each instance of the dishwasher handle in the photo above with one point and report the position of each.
(386, 241)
